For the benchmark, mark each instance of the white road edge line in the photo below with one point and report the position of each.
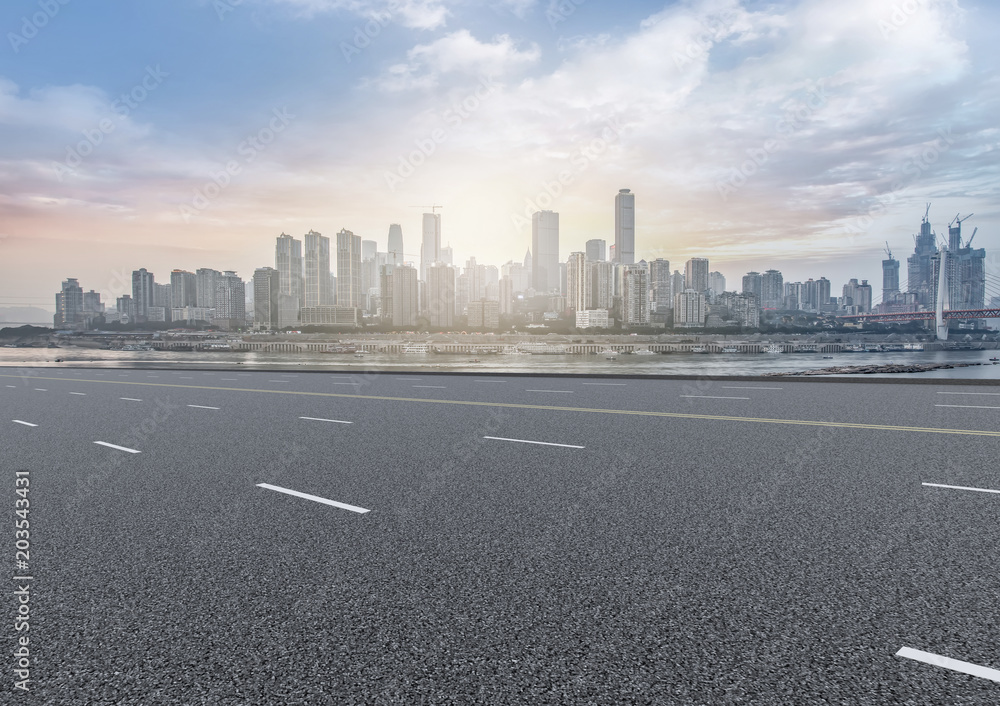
(130, 399)
(960, 487)
(966, 406)
(320, 419)
(609, 384)
(115, 446)
(82, 394)
(315, 498)
(27, 424)
(565, 392)
(956, 665)
(540, 443)
(437, 387)
(40, 389)
(12, 386)
(504, 381)
(712, 397)
(201, 406)
(969, 393)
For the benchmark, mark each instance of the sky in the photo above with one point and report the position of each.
(796, 135)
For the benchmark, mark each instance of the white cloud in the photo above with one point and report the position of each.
(417, 14)
(457, 53)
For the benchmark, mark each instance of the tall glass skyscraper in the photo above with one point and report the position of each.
(545, 251)
(625, 227)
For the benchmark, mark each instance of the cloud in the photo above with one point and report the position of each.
(457, 53)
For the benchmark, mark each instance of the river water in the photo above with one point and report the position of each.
(669, 364)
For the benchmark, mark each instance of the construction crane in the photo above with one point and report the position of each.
(887, 250)
(927, 212)
(968, 243)
(432, 208)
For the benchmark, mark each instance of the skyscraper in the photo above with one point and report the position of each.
(395, 245)
(689, 309)
(183, 289)
(920, 265)
(597, 249)
(545, 251)
(230, 300)
(602, 285)
(625, 227)
(69, 304)
(399, 295)
(349, 269)
(753, 283)
(890, 279)
(772, 291)
(430, 245)
(696, 274)
(317, 270)
(577, 282)
(659, 285)
(441, 296)
(143, 293)
(716, 282)
(288, 263)
(635, 296)
(266, 289)
(205, 287)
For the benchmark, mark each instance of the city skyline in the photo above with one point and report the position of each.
(737, 128)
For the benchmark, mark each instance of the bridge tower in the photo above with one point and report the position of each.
(942, 297)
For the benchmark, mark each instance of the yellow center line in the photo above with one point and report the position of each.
(550, 408)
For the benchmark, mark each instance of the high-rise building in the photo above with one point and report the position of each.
(368, 249)
(625, 227)
(597, 249)
(143, 292)
(506, 295)
(966, 271)
(676, 285)
(395, 249)
(399, 295)
(205, 287)
(545, 251)
(690, 309)
(126, 309)
(69, 304)
(635, 295)
(794, 296)
(716, 282)
(447, 255)
(772, 291)
(659, 286)
(890, 279)
(920, 265)
(183, 289)
(602, 285)
(753, 283)
(520, 276)
(266, 289)
(696, 274)
(430, 245)
(230, 300)
(484, 314)
(317, 270)
(288, 263)
(349, 269)
(577, 282)
(441, 296)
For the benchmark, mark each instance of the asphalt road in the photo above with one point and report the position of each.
(667, 542)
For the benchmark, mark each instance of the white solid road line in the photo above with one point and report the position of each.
(130, 399)
(27, 424)
(279, 380)
(183, 377)
(320, 419)
(315, 498)
(11, 385)
(228, 379)
(609, 384)
(504, 381)
(750, 388)
(969, 393)
(711, 397)
(407, 378)
(345, 383)
(436, 387)
(116, 446)
(40, 389)
(540, 443)
(966, 406)
(955, 665)
(565, 392)
(201, 406)
(81, 394)
(960, 487)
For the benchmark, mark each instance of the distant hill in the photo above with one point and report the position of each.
(25, 314)
(20, 332)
